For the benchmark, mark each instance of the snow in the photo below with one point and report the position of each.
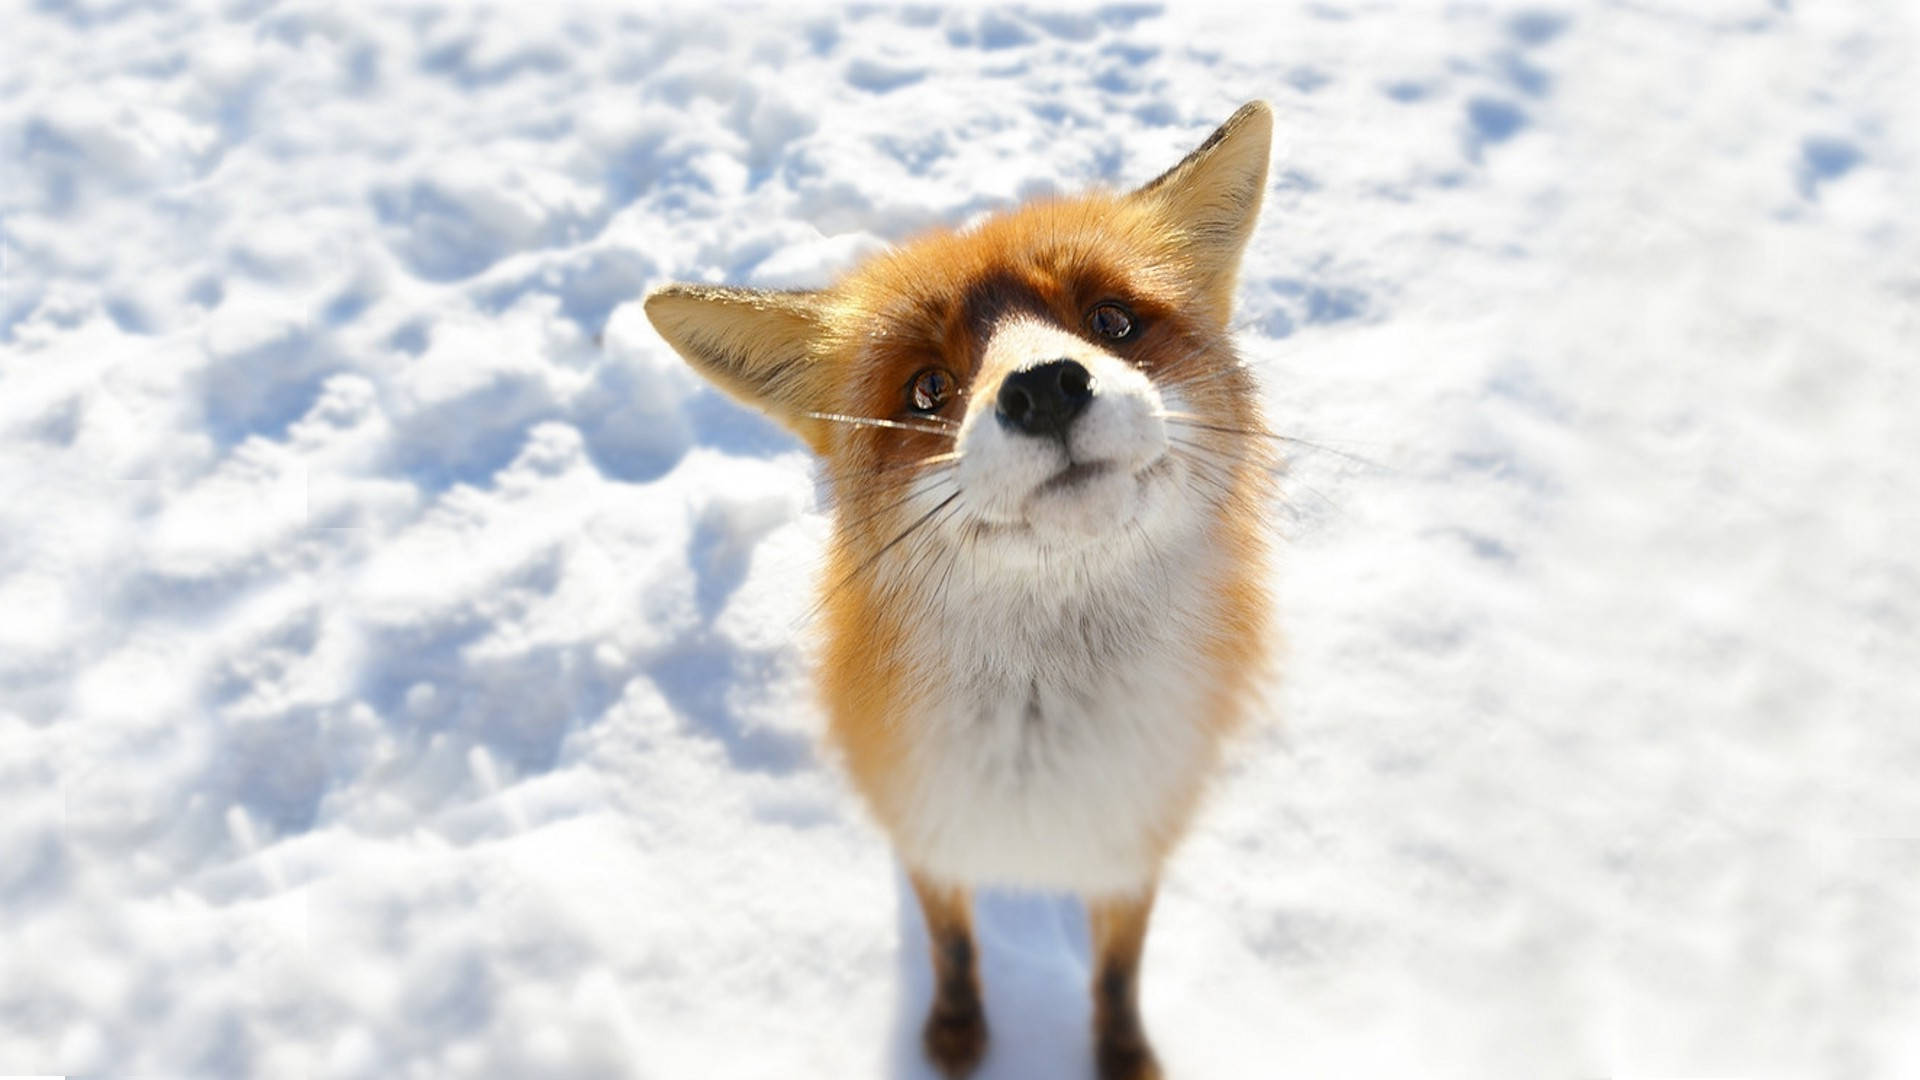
(402, 657)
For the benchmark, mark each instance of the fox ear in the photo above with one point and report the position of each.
(1212, 198)
(759, 346)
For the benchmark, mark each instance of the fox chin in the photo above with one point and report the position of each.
(1045, 603)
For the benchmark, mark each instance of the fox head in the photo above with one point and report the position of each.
(1053, 385)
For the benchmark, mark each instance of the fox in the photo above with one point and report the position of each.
(1045, 601)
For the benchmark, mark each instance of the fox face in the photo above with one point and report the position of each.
(1054, 384)
(1044, 599)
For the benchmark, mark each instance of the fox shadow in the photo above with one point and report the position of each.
(1034, 961)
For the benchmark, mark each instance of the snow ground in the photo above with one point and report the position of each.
(401, 665)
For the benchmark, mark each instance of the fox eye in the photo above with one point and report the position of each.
(1111, 321)
(930, 389)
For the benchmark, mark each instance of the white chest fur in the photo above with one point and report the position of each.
(1063, 738)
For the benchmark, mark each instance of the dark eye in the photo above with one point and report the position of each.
(1111, 321)
(930, 389)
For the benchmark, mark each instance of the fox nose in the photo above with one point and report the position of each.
(1044, 399)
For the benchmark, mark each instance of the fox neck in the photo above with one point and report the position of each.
(1070, 620)
(1047, 731)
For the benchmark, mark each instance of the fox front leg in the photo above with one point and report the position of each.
(1119, 931)
(955, 1035)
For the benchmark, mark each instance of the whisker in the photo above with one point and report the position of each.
(1210, 467)
(825, 595)
(892, 504)
(897, 466)
(924, 549)
(870, 560)
(1206, 470)
(953, 558)
(942, 427)
(1192, 421)
(1205, 374)
(1227, 363)
(911, 564)
(1332, 507)
(843, 487)
(1273, 466)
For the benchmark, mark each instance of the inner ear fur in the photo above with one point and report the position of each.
(762, 347)
(1211, 200)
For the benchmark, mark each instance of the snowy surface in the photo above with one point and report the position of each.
(402, 657)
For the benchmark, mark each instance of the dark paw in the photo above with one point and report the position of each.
(1126, 1058)
(956, 1038)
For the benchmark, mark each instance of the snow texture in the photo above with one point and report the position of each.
(402, 656)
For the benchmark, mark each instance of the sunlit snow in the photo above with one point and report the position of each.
(402, 656)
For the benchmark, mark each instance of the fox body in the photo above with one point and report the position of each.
(1044, 602)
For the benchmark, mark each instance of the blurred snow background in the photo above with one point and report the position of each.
(402, 657)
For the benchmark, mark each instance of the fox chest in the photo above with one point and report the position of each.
(1072, 772)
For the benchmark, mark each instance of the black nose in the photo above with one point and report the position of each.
(1045, 398)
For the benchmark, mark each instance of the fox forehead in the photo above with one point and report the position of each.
(1045, 258)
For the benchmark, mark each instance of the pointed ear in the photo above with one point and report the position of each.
(1212, 198)
(761, 347)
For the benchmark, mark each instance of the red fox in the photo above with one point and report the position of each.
(1045, 600)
